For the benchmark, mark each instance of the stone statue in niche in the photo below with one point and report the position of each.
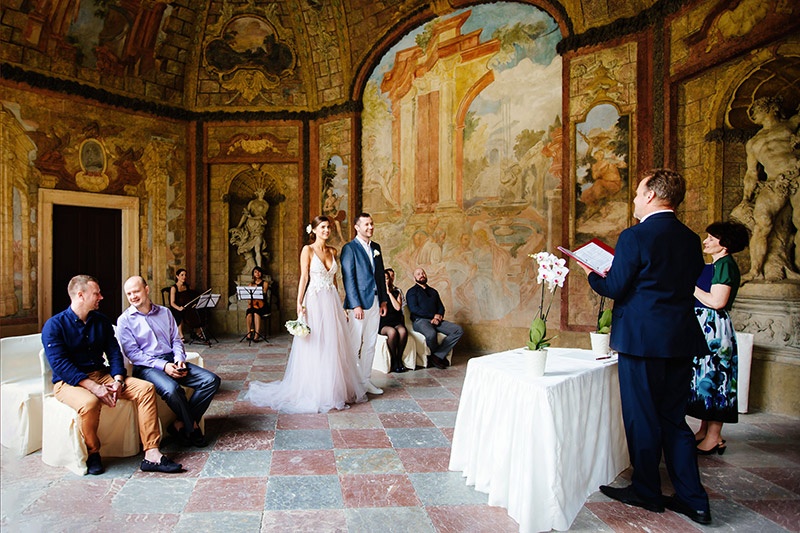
(771, 196)
(248, 235)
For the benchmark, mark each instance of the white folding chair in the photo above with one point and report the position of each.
(21, 393)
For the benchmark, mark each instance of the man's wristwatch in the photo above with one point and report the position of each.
(120, 381)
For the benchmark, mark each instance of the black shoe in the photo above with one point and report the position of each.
(166, 466)
(437, 362)
(628, 496)
(94, 465)
(718, 449)
(198, 439)
(179, 435)
(399, 370)
(696, 515)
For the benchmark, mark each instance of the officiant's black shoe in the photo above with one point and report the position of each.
(437, 362)
(628, 496)
(94, 465)
(696, 515)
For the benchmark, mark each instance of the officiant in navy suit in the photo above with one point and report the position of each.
(651, 280)
(365, 294)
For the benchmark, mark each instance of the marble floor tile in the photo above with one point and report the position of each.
(788, 478)
(441, 404)
(626, 518)
(311, 521)
(366, 461)
(430, 393)
(388, 520)
(348, 420)
(785, 513)
(302, 463)
(360, 438)
(417, 438)
(405, 420)
(303, 492)
(313, 421)
(396, 406)
(459, 518)
(416, 460)
(233, 522)
(245, 440)
(378, 490)
(303, 439)
(248, 463)
(228, 495)
(163, 495)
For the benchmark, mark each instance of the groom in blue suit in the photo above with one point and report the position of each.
(365, 294)
(651, 280)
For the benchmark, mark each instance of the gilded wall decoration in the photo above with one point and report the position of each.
(246, 53)
(461, 159)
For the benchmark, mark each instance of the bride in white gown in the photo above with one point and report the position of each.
(321, 373)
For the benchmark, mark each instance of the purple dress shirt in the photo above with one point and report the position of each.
(145, 337)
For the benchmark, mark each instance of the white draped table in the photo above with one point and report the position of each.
(539, 446)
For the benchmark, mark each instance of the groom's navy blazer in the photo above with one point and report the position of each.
(361, 282)
(651, 280)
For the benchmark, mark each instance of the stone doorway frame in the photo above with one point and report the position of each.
(129, 206)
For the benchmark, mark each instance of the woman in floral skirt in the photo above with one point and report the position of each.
(713, 395)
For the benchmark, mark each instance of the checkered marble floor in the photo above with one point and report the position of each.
(380, 466)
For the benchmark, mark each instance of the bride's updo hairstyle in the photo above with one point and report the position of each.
(319, 219)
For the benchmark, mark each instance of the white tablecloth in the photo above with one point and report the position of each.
(540, 446)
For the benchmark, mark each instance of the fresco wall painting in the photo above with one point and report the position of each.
(461, 130)
(602, 102)
(66, 145)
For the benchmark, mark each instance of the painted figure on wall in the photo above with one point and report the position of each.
(772, 192)
(601, 194)
(334, 199)
(459, 154)
(248, 235)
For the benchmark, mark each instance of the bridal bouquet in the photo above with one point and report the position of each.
(552, 272)
(298, 327)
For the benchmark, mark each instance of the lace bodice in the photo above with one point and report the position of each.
(321, 278)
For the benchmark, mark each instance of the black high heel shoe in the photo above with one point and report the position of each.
(718, 449)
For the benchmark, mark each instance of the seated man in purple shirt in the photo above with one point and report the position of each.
(149, 337)
(74, 342)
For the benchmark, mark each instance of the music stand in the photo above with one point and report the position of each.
(207, 300)
(248, 293)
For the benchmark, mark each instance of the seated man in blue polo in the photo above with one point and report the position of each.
(427, 314)
(74, 342)
(150, 339)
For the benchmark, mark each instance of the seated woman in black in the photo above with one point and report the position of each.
(256, 309)
(393, 324)
(181, 294)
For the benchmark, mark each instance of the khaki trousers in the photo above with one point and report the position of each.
(140, 392)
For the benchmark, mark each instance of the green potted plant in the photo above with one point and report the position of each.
(600, 337)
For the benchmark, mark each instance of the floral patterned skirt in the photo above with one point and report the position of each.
(713, 395)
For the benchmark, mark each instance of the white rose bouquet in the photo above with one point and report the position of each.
(298, 327)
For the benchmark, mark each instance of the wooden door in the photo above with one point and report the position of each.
(88, 240)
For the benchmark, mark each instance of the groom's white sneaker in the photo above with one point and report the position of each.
(372, 389)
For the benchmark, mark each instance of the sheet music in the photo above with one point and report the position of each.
(246, 292)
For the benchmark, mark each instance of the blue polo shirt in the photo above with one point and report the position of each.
(75, 348)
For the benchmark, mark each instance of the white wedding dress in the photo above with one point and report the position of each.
(321, 373)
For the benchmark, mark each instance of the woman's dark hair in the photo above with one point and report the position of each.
(319, 219)
(178, 273)
(733, 236)
(257, 269)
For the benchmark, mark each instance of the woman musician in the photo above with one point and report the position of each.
(180, 295)
(256, 309)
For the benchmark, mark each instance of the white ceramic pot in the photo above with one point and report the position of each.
(537, 360)
(600, 343)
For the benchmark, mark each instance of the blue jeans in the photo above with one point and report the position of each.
(204, 382)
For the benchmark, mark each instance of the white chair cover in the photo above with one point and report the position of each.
(62, 441)
(21, 394)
